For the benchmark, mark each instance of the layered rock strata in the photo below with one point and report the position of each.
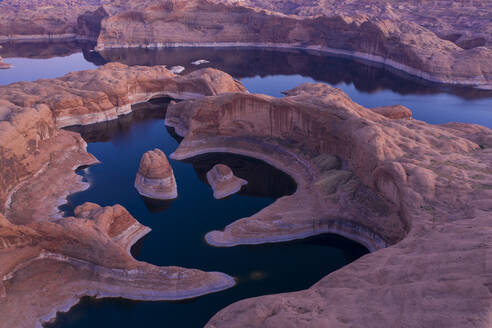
(400, 44)
(423, 39)
(31, 113)
(47, 262)
(155, 177)
(417, 195)
(223, 181)
(88, 254)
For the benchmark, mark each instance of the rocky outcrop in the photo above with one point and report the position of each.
(48, 263)
(400, 44)
(473, 27)
(155, 177)
(223, 181)
(417, 195)
(34, 149)
(46, 266)
(403, 37)
(394, 112)
(92, 96)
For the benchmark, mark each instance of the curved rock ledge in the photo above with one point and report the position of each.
(31, 114)
(85, 255)
(392, 41)
(418, 195)
(46, 262)
(405, 37)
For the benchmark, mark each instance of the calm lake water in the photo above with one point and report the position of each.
(178, 227)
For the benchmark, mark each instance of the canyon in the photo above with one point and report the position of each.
(89, 253)
(417, 195)
(401, 37)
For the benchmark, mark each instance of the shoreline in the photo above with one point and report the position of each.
(476, 82)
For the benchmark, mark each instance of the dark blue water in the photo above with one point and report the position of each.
(267, 71)
(178, 228)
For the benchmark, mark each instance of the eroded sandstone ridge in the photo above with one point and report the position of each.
(155, 177)
(47, 262)
(223, 181)
(422, 38)
(419, 194)
(88, 254)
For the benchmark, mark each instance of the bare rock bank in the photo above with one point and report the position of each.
(223, 181)
(155, 177)
(419, 196)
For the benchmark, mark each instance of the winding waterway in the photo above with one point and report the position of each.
(178, 227)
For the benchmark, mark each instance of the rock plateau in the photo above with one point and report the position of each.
(419, 196)
(48, 262)
(421, 38)
(223, 181)
(155, 177)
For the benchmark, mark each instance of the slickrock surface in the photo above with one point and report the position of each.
(422, 38)
(46, 262)
(46, 266)
(155, 177)
(223, 181)
(422, 191)
(92, 96)
(464, 22)
(32, 146)
(398, 43)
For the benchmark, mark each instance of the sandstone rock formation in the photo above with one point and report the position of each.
(423, 39)
(32, 146)
(4, 65)
(394, 112)
(223, 181)
(46, 266)
(398, 43)
(46, 262)
(418, 195)
(155, 177)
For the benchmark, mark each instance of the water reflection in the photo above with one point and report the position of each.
(250, 62)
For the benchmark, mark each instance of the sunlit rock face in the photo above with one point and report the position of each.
(155, 177)
(223, 181)
(417, 195)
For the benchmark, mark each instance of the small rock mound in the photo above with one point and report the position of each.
(223, 181)
(394, 112)
(155, 177)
